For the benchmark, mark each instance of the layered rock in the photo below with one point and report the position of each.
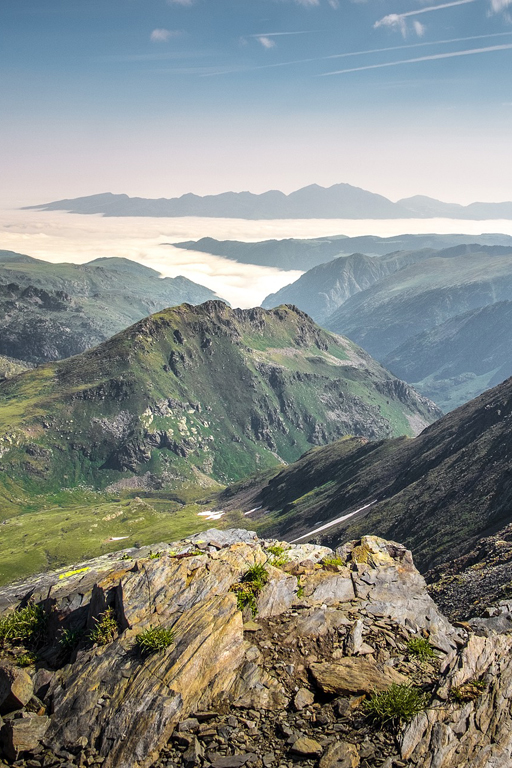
(261, 683)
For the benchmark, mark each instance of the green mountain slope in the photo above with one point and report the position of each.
(10, 367)
(323, 289)
(51, 311)
(438, 493)
(423, 295)
(460, 358)
(197, 394)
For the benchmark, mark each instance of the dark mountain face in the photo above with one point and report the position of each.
(197, 395)
(439, 493)
(52, 311)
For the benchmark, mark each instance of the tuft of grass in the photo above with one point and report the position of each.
(154, 555)
(396, 705)
(468, 692)
(26, 625)
(154, 639)
(105, 629)
(249, 587)
(420, 647)
(26, 659)
(70, 638)
(333, 562)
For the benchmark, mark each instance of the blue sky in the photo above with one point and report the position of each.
(163, 97)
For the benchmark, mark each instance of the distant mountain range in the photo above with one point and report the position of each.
(440, 319)
(50, 311)
(340, 201)
(307, 253)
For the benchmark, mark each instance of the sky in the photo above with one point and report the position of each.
(164, 97)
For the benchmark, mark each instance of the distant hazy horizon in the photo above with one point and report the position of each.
(59, 236)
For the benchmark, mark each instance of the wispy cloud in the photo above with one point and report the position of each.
(398, 20)
(266, 41)
(419, 28)
(180, 2)
(498, 6)
(163, 35)
(433, 57)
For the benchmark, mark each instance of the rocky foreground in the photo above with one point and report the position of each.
(225, 650)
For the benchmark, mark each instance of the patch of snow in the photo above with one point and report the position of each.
(210, 515)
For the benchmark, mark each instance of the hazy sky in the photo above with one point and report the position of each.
(163, 97)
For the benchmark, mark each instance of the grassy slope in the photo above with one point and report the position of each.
(100, 298)
(235, 391)
(437, 493)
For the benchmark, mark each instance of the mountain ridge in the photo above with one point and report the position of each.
(313, 201)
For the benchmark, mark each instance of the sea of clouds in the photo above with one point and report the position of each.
(59, 236)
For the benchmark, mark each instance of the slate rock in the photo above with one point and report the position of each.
(341, 754)
(23, 734)
(306, 747)
(355, 675)
(16, 688)
(302, 699)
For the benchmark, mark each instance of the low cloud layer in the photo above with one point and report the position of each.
(59, 236)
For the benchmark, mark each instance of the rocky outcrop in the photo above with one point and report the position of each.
(258, 653)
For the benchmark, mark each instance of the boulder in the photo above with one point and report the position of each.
(355, 675)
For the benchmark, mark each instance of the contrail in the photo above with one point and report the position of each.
(434, 57)
(396, 16)
(354, 53)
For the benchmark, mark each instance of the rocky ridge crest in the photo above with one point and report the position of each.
(284, 687)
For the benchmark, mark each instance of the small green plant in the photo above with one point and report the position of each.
(154, 639)
(154, 555)
(126, 556)
(249, 587)
(332, 562)
(26, 625)
(467, 692)
(26, 659)
(398, 704)
(420, 647)
(105, 628)
(70, 638)
(279, 556)
(300, 588)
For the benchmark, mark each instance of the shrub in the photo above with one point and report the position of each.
(418, 646)
(26, 625)
(154, 639)
(105, 629)
(398, 704)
